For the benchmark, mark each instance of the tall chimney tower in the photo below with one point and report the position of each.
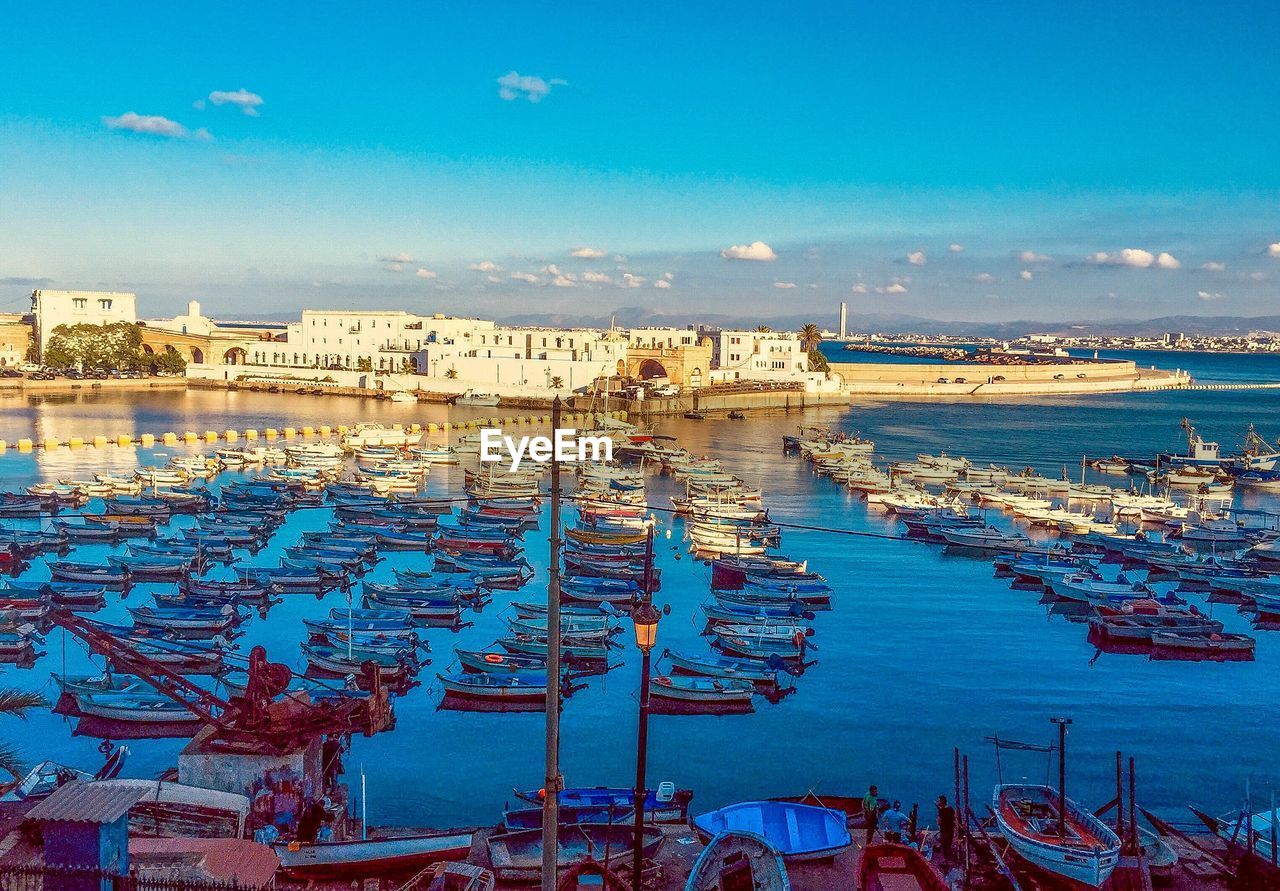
(844, 320)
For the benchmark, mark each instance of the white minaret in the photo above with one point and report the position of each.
(844, 320)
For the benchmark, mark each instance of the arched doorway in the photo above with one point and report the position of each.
(197, 355)
(234, 356)
(650, 369)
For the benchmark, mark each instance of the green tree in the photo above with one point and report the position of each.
(818, 362)
(452, 374)
(364, 363)
(170, 362)
(557, 383)
(16, 704)
(763, 329)
(811, 335)
(117, 345)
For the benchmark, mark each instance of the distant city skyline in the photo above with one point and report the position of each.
(977, 163)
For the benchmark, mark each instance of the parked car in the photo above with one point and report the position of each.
(944, 380)
(29, 367)
(666, 390)
(10, 372)
(998, 377)
(1058, 377)
(1081, 375)
(960, 380)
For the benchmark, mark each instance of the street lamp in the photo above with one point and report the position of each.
(645, 619)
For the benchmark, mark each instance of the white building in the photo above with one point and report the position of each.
(376, 340)
(54, 308)
(501, 356)
(759, 355)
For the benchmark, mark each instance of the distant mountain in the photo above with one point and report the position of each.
(636, 317)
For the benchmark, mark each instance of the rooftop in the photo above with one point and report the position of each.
(87, 802)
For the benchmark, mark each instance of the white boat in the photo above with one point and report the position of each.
(471, 397)
(403, 396)
(987, 538)
(1218, 530)
(378, 435)
(1066, 841)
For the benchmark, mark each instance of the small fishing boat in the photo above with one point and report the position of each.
(797, 831)
(1202, 645)
(135, 708)
(369, 858)
(1028, 816)
(666, 804)
(703, 690)
(737, 859)
(499, 663)
(517, 856)
(761, 674)
(113, 577)
(476, 398)
(511, 687)
(886, 866)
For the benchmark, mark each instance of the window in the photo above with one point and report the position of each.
(104, 304)
(79, 303)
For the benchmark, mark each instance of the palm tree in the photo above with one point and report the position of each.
(16, 703)
(452, 374)
(763, 329)
(811, 334)
(557, 383)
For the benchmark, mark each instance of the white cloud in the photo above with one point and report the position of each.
(527, 277)
(395, 267)
(247, 102)
(668, 275)
(984, 278)
(1214, 266)
(757, 250)
(1033, 257)
(596, 278)
(632, 281)
(1210, 295)
(153, 125)
(1137, 258)
(1025, 275)
(493, 279)
(586, 253)
(859, 288)
(564, 281)
(1273, 249)
(513, 85)
(662, 283)
(425, 273)
(484, 266)
(784, 286)
(955, 248)
(895, 288)
(916, 258)
(402, 257)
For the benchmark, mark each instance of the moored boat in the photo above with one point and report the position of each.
(1028, 816)
(798, 831)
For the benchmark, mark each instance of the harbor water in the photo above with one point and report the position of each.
(923, 650)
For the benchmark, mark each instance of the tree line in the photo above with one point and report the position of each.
(113, 347)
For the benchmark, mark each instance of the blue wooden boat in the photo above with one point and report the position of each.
(373, 618)
(112, 577)
(212, 588)
(87, 531)
(740, 859)
(570, 649)
(329, 659)
(517, 856)
(760, 648)
(490, 662)
(666, 804)
(531, 817)
(153, 567)
(709, 691)
(405, 540)
(754, 613)
(531, 610)
(282, 576)
(73, 595)
(797, 831)
(189, 621)
(762, 673)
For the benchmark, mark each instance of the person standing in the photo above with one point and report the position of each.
(871, 812)
(895, 824)
(946, 827)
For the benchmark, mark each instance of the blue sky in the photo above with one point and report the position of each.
(984, 161)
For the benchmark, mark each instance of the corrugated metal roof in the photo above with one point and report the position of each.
(222, 859)
(84, 801)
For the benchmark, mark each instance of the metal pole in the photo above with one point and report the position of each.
(642, 733)
(1062, 774)
(553, 782)
(1119, 797)
(1133, 799)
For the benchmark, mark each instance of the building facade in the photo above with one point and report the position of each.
(759, 355)
(50, 309)
(15, 339)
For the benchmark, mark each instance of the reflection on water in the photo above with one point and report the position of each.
(923, 651)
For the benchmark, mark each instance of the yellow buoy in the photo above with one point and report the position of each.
(24, 445)
(432, 428)
(76, 442)
(124, 439)
(191, 437)
(230, 435)
(325, 429)
(147, 440)
(169, 439)
(50, 444)
(99, 442)
(3, 445)
(210, 436)
(308, 431)
(251, 434)
(290, 433)
(271, 433)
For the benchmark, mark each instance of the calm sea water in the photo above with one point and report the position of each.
(924, 651)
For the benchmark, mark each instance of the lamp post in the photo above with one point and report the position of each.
(645, 618)
(1063, 723)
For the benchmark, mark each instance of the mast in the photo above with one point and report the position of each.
(1062, 774)
(553, 782)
